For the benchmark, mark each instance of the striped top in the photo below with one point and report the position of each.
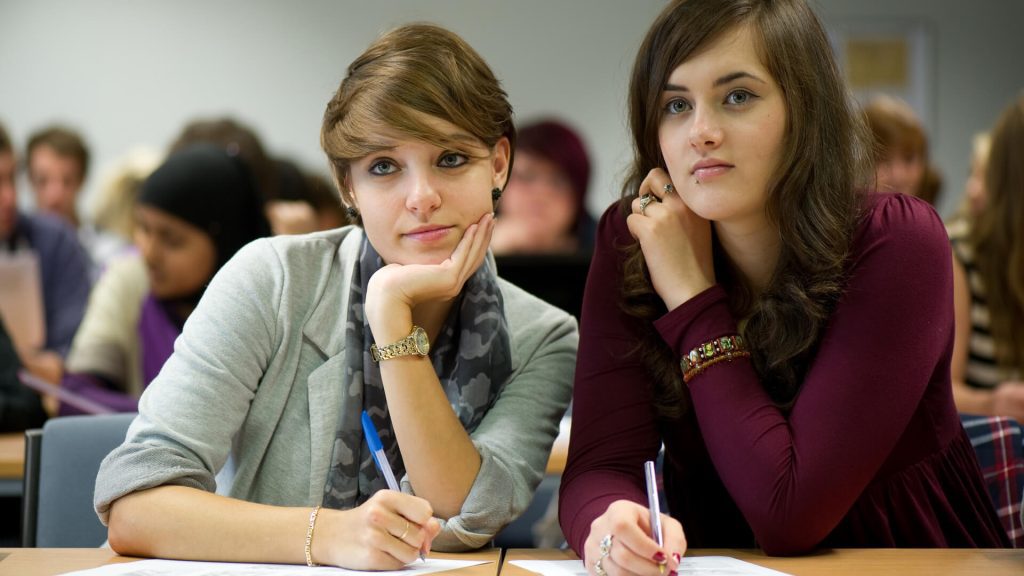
(982, 369)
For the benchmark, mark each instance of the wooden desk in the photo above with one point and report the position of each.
(12, 463)
(47, 561)
(844, 562)
(560, 450)
(12, 455)
(50, 561)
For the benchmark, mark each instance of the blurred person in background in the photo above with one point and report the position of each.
(304, 203)
(192, 214)
(988, 269)
(113, 210)
(57, 159)
(63, 268)
(901, 150)
(543, 209)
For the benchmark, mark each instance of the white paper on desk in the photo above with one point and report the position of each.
(184, 568)
(692, 565)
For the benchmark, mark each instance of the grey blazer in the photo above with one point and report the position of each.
(257, 374)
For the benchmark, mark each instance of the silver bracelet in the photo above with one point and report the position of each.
(309, 535)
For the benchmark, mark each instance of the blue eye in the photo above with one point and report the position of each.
(383, 168)
(739, 97)
(677, 106)
(452, 160)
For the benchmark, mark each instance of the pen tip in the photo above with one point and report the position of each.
(661, 568)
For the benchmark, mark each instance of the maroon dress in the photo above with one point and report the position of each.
(871, 454)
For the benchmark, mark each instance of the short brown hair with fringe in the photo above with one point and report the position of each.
(413, 71)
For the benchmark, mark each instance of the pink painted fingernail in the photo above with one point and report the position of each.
(677, 557)
(659, 557)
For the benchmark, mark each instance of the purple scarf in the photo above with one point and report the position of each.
(157, 331)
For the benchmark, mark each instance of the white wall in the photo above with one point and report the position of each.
(133, 72)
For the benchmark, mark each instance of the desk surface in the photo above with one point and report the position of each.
(845, 562)
(12, 455)
(50, 561)
(560, 450)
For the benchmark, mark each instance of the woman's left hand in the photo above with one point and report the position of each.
(676, 242)
(394, 290)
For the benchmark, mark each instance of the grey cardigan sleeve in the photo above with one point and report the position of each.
(192, 410)
(514, 439)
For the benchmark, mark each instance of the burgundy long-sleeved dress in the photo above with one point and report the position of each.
(871, 454)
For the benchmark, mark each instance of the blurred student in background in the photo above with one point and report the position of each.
(304, 203)
(192, 215)
(288, 199)
(543, 210)
(988, 274)
(57, 159)
(113, 210)
(901, 150)
(63, 267)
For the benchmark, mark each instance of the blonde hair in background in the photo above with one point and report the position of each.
(998, 236)
(115, 200)
(408, 74)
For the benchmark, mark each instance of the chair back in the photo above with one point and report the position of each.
(999, 446)
(61, 463)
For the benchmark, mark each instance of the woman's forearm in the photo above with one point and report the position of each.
(439, 456)
(189, 524)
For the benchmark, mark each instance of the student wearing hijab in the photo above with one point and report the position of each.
(192, 215)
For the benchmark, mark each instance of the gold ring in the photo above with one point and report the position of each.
(402, 537)
(645, 201)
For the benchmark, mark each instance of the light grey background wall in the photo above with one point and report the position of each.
(131, 73)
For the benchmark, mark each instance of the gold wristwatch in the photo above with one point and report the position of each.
(415, 344)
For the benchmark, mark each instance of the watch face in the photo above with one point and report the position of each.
(422, 342)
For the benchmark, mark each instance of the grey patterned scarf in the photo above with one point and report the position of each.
(471, 358)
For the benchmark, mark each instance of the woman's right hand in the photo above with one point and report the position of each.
(395, 290)
(386, 532)
(676, 242)
(632, 549)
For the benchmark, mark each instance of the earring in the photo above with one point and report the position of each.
(352, 213)
(495, 195)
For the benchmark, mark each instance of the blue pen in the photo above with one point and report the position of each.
(377, 449)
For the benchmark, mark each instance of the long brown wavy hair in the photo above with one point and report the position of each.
(998, 236)
(813, 196)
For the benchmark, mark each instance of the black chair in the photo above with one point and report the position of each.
(556, 279)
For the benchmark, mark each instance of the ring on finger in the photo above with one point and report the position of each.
(605, 546)
(406, 531)
(645, 201)
(668, 188)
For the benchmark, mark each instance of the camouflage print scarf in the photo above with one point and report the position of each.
(471, 358)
